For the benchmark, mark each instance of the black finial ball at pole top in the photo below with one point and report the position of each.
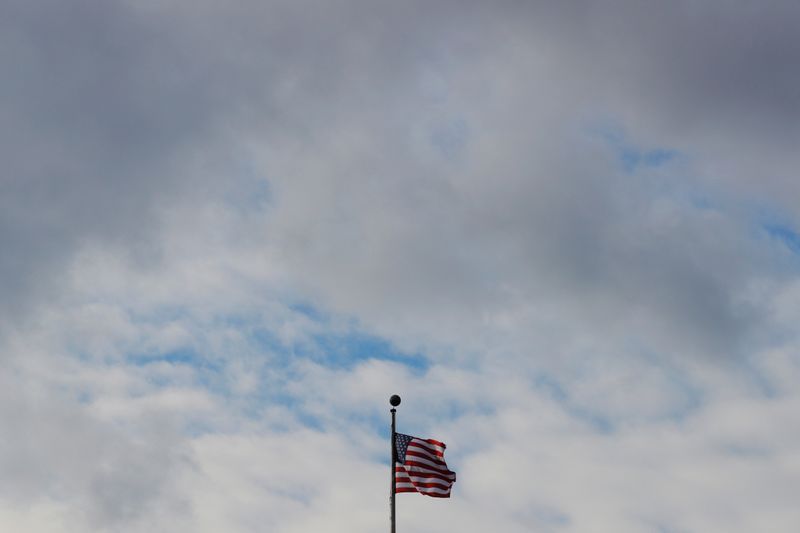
(394, 400)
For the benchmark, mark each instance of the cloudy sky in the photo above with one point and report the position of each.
(566, 233)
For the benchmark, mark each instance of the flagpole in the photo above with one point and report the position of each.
(395, 401)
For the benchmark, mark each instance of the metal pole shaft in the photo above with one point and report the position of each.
(394, 480)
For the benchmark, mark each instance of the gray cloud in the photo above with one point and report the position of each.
(113, 106)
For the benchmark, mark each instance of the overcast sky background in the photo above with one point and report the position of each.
(566, 233)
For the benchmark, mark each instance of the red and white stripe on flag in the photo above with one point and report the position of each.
(420, 467)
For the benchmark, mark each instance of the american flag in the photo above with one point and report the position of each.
(420, 467)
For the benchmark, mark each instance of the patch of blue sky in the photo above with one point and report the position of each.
(338, 350)
(185, 356)
(349, 349)
(690, 397)
(756, 377)
(251, 190)
(450, 137)
(273, 393)
(631, 156)
(267, 341)
(784, 234)
(702, 202)
(84, 397)
(273, 358)
(309, 311)
(773, 225)
(559, 394)
(208, 372)
(666, 172)
(329, 345)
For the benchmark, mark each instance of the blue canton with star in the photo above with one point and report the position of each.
(401, 444)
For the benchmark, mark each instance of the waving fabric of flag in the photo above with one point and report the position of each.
(420, 467)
